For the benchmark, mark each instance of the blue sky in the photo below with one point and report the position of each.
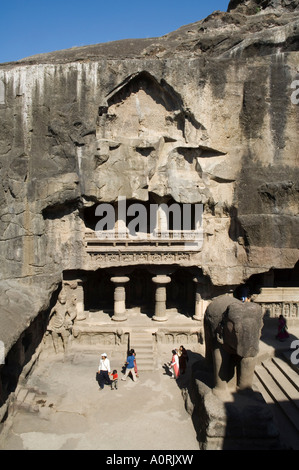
(29, 27)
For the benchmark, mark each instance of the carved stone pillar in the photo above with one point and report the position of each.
(80, 301)
(160, 306)
(199, 303)
(119, 298)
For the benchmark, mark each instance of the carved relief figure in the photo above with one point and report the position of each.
(61, 321)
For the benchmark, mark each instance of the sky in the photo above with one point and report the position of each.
(29, 27)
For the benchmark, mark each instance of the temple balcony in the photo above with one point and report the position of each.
(171, 247)
(173, 240)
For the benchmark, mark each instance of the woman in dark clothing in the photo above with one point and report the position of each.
(183, 359)
(282, 334)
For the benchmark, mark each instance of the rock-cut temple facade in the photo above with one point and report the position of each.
(145, 177)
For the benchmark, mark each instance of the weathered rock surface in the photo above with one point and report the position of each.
(202, 115)
(251, 7)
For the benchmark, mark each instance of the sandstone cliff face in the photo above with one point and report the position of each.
(203, 115)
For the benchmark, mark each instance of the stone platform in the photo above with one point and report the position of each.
(99, 326)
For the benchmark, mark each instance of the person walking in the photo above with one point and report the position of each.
(104, 371)
(135, 362)
(174, 365)
(130, 367)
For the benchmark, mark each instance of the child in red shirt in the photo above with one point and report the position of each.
(114, 379)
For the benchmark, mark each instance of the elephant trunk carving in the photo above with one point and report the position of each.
(232, 334)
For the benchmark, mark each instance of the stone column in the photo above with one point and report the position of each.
(199, 303)
(160, 306)
(119, 298)
(80, 301)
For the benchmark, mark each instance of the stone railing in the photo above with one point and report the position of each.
(112, 248)
(100, 240)
(277, 301)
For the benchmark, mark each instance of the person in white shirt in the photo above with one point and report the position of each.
(104, 371)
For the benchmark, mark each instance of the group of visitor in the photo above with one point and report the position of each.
(178, 363)
(177, 367)
(105, 376)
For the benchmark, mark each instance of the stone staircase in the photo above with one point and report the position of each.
(142, 343)
(278, 382)
(29, 399)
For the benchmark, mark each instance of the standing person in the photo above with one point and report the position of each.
(114, 380)
(282, 334)
(244, 293)
(135, 362)
(183, 359)
(104, 371)
(175, 364)
(130, 367)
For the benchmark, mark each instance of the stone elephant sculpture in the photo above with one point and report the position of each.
(232, 334)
